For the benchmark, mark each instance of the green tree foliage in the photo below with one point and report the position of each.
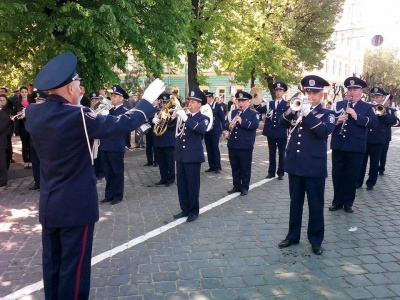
(382, 69)
(98, 32)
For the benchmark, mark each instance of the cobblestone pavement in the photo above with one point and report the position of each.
(230, 252)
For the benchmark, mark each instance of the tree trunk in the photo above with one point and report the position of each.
(192, 69)
(252, 78)
(270, 80)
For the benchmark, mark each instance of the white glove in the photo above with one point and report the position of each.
(154, 90)
(181, 113)
(305, 108)
(156, 120)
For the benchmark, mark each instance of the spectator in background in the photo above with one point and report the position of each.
(8, 108)
(3, 91)
(224, 106)
(4, 121)
(83, 100)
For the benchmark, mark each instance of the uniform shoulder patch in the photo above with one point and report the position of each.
(222, 108)
(331, 118)
(91, 115)
(206, 122)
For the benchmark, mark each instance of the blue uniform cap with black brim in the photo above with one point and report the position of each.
(58, 72)
(198, 95)
(313, 83)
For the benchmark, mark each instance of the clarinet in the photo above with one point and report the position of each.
(346, 114)
(228, 137)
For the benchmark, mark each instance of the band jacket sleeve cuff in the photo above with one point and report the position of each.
(199, 127)
(286, 119)
(367, 121)
(388, 119)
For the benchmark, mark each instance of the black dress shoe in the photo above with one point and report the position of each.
(287, 243)
(358, 185)
(269, 176)
(169, 184)
(191, 218)
(209, 170)
(335, 207)
(160, 182)
(180, 215)
(115, 201)
(34, 187)
(280, 178)
(348, 209)
(233, 191)
(155, 165)
(147, 164)
(381, 172)
(317, 250)
(243, 193)
(106, 200)
(217, 171)
(370, 188)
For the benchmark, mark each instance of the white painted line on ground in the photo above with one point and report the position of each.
(102, 256)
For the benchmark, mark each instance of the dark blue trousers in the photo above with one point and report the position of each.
(113, 167)
(166, 163)
(188, 181)
(382, 160)
(35, 165)
(213, 153)
(374, 152)
(274, 143)
(150, 150)
(98, 165)
(314, 187)
(345, 170)
(240, 160)
(67, 256)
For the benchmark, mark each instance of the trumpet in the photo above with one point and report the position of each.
(20, 115)
(186, 109)
(380, 109)
(296, 103)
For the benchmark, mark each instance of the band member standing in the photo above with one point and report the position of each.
(241, 141)
(376, 141)
(388, 137)
(348, 143)
(98, 164)
(275, 133)
(189, 154)
(164, 146)
(68, 207)
(211, 137)
(112, 150)
(4, 124)
(306, 162)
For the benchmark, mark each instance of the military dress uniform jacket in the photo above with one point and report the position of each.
(68, 194)
(355, 131)
(115, 143)
(219, 119)
(243, 135)
(377, 135)
(306, 151)
(189, 146)
(271, 127)
(390, 119)
(168, 138)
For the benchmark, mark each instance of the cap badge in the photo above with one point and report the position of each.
(278, 85)
(192, 93)
(94, 95)
(311, 82)
(352, 82)
(240, 95)
(164, 97)
(114, 88)
(375, 90)
(37, 95)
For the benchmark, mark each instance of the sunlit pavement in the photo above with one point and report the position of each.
(229, 252)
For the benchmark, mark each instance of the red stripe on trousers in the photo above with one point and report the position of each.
(78, 271)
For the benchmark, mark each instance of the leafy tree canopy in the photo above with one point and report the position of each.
(98, 32)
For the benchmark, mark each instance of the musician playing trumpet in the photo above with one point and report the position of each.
(189, 154)
(348, 143)
(376, 138)
(306, 162)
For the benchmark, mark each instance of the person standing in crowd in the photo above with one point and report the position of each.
(306, 162)
(376, 140)
(3, 91)
(164, 146)
(68, 207)
(39, 99)
(189, 154)
(348, 143)
(19, 108)
(96, 105)
(231, 102)
(14, 97)
(112, 150)
(242, 128)
(4, 125)
(151, 155)
(7, 107)
(224, 106)
(388, 137)
(211, 137)
(275, 133)
(84, 101)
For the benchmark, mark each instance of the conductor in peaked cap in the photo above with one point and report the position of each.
(63, 134)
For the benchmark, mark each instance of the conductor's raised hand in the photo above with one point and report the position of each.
(154, 90)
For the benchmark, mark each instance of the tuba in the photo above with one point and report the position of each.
(257, 95)
(165, 116)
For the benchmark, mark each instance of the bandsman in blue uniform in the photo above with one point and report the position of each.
(376, 140)
(189, 154)
(306, 162)
(388, 137)
(211, 137)
(63, 134)
(349, 142)
(242, 136)
(112, 150)
(275, 133)
(165, 145)
(96, 105)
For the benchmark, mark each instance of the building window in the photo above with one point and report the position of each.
(221, 92)
(340, 68)
(333, 67)
(327, 66)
